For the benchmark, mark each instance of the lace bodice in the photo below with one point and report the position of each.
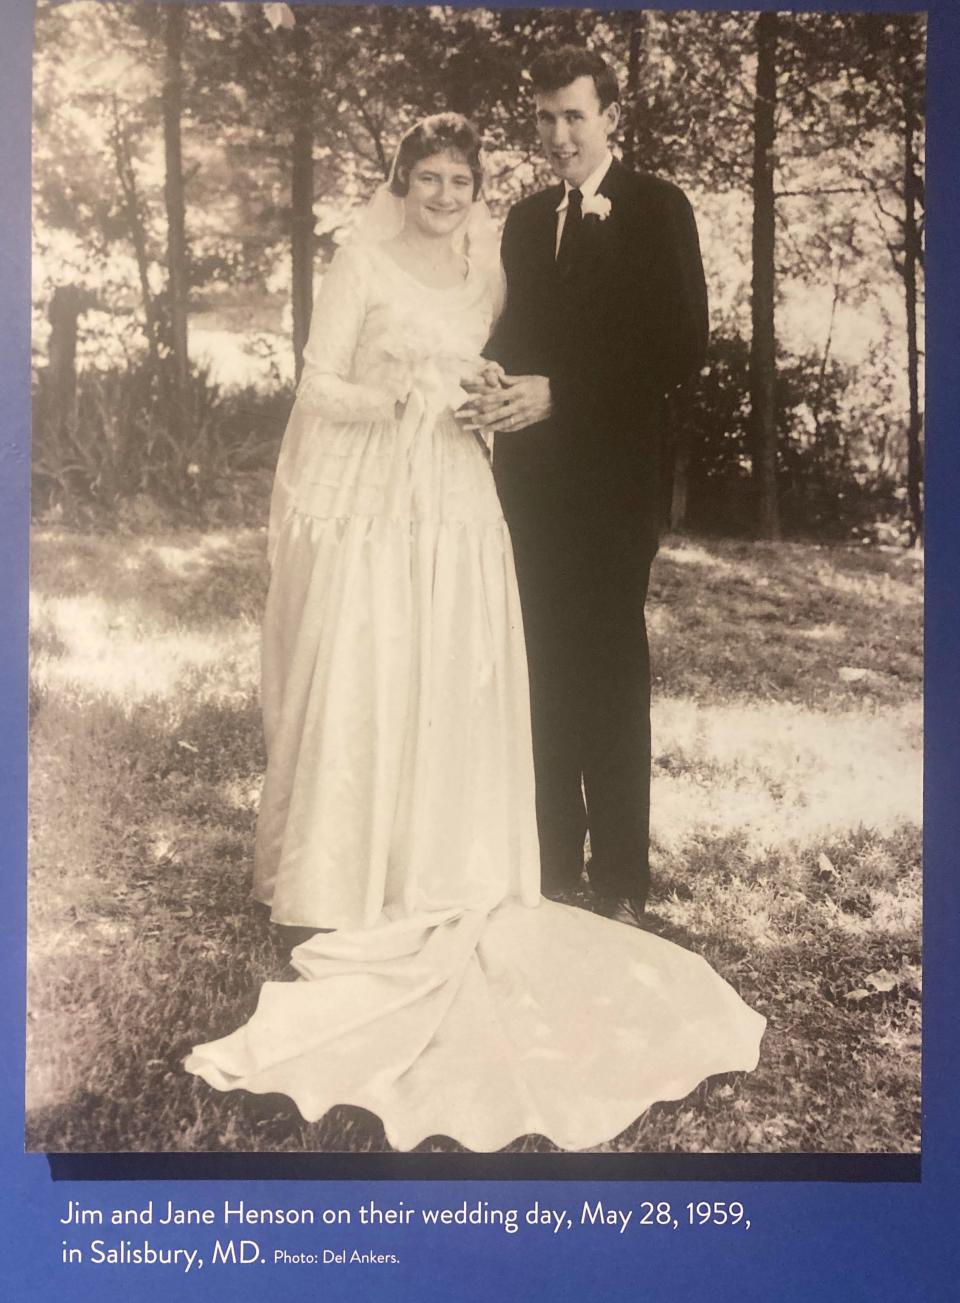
(374, 425)
(378, 334)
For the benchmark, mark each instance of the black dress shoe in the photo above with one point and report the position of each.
(625, 909)
(565, 895)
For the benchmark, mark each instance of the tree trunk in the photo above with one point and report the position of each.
(302, 243)
(763, 365)
(819, 452)
(638, 23)
(680, 491)
(138, 235)
(178, 282)
(911, 257)
(60, 395)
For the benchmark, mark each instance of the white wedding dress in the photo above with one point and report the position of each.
(398, 804)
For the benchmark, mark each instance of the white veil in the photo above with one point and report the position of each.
(382, 219)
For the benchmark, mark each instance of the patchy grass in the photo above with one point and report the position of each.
(817, 626)
(786, 836)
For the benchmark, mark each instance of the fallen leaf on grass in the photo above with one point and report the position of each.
(855, 674)
(882, 981)
(858, 995)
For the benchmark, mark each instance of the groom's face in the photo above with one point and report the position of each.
(574, 129)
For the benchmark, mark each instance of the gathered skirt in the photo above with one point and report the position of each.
(398, 809)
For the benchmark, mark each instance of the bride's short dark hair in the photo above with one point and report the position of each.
(554, 69)
(441, 133)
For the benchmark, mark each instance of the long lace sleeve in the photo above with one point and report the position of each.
(325, 387)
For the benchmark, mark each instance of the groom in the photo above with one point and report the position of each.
(606, 314)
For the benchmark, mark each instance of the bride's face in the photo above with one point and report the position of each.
(439, 195)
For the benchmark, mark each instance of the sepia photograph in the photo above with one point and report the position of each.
(476, 580)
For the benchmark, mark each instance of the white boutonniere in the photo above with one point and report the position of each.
(596, 206)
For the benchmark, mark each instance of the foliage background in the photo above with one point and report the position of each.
(284, 120)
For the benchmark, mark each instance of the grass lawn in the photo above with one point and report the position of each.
(786, 809)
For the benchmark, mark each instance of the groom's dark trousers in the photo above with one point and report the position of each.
(615, 326)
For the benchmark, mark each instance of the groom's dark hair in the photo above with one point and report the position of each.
(555, 69)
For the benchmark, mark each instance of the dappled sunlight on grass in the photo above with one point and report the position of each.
(659, 622)
(730, 620)
(882, 590)
(96, 647)
(685, 553)
(166, 581)
(823, 633)
(757, 930)
(898, 911)
(240, 794)
(782, 775)
(183, 559)
(786, 808)
(878, 913)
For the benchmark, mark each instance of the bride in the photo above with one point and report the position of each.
(397, 828)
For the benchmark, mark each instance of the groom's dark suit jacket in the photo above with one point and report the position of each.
(626, 326)
(615, 329)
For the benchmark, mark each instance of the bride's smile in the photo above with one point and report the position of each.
(439, 197)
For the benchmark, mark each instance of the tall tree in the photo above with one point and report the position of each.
(178, 280)
(763, 348)
(873, 122)
(908, 46)
(137, 231)
(636, 33)
(301, 189)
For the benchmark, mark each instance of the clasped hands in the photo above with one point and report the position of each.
(500, 403)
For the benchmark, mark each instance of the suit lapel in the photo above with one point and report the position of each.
(602, 233)
(612, 183)
(598, 236)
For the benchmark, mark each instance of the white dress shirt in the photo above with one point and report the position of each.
(588, 190)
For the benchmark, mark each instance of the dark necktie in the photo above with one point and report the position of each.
(571, 230)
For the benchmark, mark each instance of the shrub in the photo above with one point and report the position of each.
(837, 478)
(118, 457)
